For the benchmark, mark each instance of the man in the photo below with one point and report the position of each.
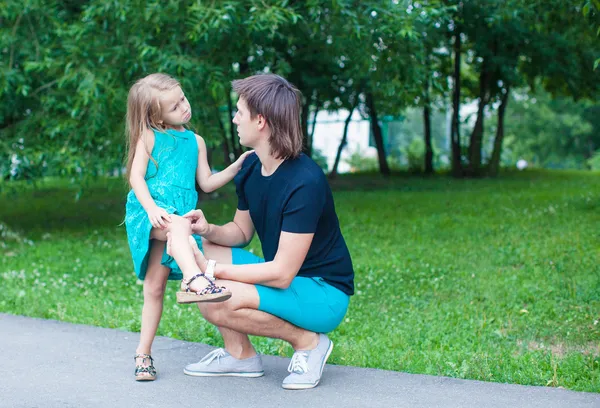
(301, 289)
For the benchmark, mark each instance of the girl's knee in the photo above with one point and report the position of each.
(154, 289)
(179, 223)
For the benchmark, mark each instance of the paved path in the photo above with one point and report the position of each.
(45, 363)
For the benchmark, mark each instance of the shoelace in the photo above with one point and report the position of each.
(299, 363)
(215, 354)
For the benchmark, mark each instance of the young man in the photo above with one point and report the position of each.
(302, 287)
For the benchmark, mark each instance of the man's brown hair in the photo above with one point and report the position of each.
(278, 101)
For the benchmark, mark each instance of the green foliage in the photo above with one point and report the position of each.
(415, 155)
(70, 67)
(594, 161)
(591, 10)
(320, 159)
(495, 280)
(67, 66)
(551, 132)
(361, 164)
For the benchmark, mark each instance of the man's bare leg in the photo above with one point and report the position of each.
(240, 314)
(237, 344)
(239, 317)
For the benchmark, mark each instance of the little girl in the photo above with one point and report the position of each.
(164, 161)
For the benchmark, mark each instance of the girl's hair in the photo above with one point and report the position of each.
(279, 102)
(144, 111)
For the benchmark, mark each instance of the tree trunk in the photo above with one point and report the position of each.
(223, 132)
(304, 122)
(314, 125)
(377, 135)
(428, 144)
(455, 132)
(476, 139)
(494, 166)
(344, 141)
(427, 129)
(235, 144)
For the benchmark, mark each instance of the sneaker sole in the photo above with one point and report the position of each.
(309, 386)
(201, 374)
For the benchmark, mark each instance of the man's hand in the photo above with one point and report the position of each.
(199, 224)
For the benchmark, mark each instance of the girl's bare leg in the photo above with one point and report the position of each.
(154, 290)
(180, 230)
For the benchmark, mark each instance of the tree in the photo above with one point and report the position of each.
(552, 131)
(436, 62)
(507, 44)
(70, 79)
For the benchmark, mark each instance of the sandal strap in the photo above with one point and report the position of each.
(150, 370)
(210, 289)
(145, 369)
(187, 282)
(144, 356)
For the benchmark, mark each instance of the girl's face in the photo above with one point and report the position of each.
(176, 110)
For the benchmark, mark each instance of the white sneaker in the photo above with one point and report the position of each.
(219, 363)
(307, 366)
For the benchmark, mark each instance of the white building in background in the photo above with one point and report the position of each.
(330, 128)
(328, 135)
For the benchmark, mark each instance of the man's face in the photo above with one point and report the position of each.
(248, 128)
(176, 110)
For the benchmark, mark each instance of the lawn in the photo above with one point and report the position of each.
(494, 280)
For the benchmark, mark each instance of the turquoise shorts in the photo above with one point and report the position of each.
(309, 303)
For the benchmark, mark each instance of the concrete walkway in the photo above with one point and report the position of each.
(48, 364)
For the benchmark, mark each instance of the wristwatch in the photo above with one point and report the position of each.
(210, 269)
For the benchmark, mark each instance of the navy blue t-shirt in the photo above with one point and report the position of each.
(296, 198)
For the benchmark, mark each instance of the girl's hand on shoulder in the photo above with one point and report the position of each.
(237, 165)
(159, 217)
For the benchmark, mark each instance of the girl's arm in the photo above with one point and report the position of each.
(137, 180)
(209, 182)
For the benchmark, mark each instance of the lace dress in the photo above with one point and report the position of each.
(172, 186)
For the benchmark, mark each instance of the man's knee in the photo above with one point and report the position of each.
(215, 313)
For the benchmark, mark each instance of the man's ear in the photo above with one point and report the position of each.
(262, 122)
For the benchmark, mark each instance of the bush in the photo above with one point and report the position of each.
(594, 161)
(361, 164)
(415, 155)
(320, 159)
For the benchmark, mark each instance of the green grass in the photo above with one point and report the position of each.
(495, 280)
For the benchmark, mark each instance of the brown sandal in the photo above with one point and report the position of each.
(145, 373)
(211, 293)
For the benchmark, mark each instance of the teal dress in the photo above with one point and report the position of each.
(172, 185)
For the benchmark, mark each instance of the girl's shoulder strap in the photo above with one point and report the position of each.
(157, 133)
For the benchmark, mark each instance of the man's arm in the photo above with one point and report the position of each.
(278, 273)
(237, 233)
